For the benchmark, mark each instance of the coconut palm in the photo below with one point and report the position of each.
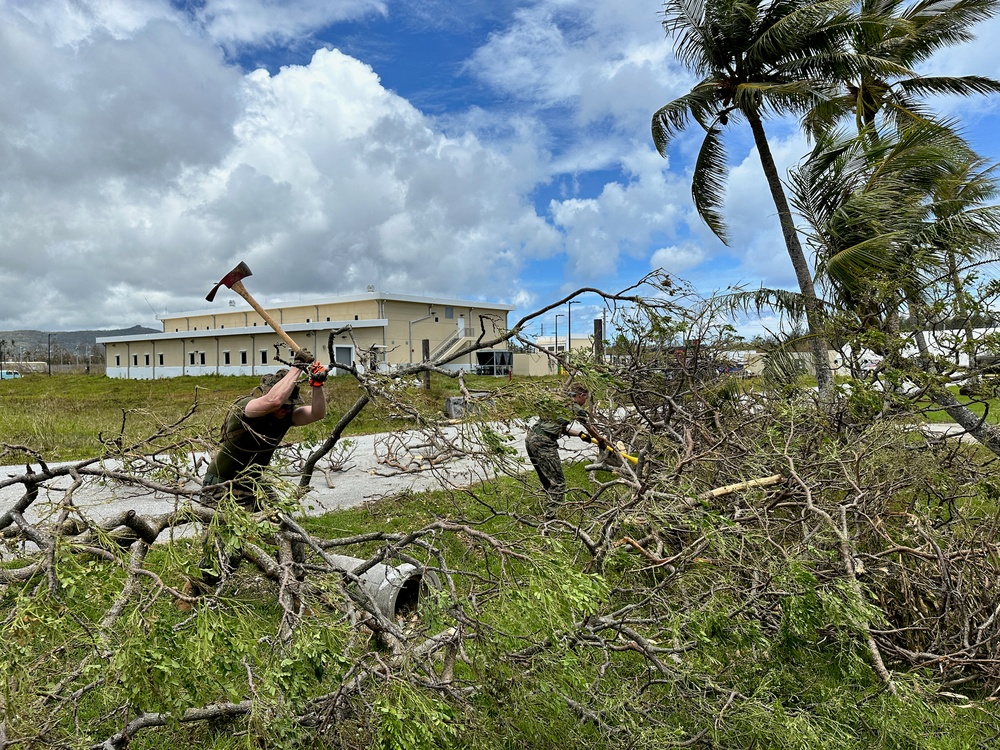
(756, 59)
(865, 201)
(903, 211)
(889, 39)
(892, 217)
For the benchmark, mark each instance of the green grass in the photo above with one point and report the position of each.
(65, 417)
(737, 679)
(979, 406)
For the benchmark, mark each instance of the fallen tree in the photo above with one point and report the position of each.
(770, 570)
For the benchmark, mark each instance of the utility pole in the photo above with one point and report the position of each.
(559, 315)
(569, 325)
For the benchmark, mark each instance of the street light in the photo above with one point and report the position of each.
(569, 324)
(50, 353)
(560, 315)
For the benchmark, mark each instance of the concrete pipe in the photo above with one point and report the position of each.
(395, 590)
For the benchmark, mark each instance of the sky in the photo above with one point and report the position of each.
(477, 150)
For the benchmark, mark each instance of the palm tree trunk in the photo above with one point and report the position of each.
(963, 313)
(987, 434)
(803, 274)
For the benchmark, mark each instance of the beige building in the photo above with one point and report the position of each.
(581, 342)
(387, 331)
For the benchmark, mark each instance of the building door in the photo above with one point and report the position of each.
(343, 355)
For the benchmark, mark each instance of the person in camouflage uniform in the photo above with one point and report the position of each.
(252, 432)
(542, 440)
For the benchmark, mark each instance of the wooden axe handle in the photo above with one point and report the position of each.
(241, 290)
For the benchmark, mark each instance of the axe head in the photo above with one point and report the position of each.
(237, 274)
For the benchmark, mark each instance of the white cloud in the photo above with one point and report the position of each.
(152, 170)
(244, 22)
(677, 259)
(139, 159)
(70, 22)
(607, 61)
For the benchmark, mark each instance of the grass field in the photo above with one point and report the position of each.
(66, 417)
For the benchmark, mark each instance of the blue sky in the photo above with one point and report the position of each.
(482, 150)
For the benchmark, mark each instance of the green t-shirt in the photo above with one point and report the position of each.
(247, 441)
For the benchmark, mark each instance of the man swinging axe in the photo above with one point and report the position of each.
(253, 430)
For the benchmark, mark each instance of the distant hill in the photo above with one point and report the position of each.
(34, 345)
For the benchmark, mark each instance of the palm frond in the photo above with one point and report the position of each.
(708, 185)
(791, 305)
(674, 117)
(953, 85)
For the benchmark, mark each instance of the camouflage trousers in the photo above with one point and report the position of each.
(222, 546)
(544, 454)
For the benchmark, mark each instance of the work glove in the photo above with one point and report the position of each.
(588, 438)
(317, 374)
(303, 359)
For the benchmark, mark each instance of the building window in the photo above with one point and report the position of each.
(225, 358)
(243, 357)
(191, 358)
(449, 312)
(308, 320)
(201, 358)
(118, 360)
(263, 356)
(355, 317)
(161, 359)
(146, 356)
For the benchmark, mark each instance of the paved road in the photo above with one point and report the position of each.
(372, 467)
(946, 430)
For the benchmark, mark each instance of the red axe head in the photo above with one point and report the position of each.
(237, 274)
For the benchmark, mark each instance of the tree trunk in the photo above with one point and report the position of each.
(803, 274)
(975, 425)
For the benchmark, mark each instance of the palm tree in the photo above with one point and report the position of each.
(865, 201)
(967, 227)
(891, 217)
(756, 59)
(889, 39)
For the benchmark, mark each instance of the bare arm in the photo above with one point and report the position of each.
(275, 397)
(314, 411)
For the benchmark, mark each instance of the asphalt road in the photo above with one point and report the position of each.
(365, 468)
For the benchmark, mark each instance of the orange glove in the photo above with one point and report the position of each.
(317, 374)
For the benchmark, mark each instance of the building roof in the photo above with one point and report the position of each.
(340, 299)
(244, 330)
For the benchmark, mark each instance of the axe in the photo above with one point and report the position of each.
(234, 281)
(619, 450)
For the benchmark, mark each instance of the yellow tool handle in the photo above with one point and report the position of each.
(587, 438)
